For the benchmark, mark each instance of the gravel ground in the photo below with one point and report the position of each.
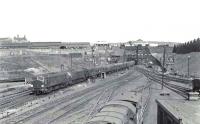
(151, 114)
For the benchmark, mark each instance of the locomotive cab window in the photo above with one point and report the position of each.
(40, 78)
(45, 81)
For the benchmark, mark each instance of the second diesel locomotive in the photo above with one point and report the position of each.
(49, 82)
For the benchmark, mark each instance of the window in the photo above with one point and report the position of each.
(40, 78)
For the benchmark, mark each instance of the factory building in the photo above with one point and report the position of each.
(79, 45)
(149, 43)
(22, 42)
(31, 45)
(19, 39)
(5, 40)
(44, 45)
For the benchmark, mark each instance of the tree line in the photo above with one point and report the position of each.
(191, 46)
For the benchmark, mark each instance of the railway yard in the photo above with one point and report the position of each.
(39, 89)
(76, 100)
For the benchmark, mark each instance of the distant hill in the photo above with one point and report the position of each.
(160, 49)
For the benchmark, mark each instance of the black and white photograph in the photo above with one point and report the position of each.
(99, 62)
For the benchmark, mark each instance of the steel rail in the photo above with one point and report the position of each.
(48, 106)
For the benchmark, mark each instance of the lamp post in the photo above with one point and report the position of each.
(164, 52)
(71, 60)
(93, 55)
(124, 56)
(188, 66)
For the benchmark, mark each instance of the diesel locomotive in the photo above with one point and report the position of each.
(46, 83)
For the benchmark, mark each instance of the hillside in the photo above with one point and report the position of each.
(181, 60)
(181, 63)
(22, 66)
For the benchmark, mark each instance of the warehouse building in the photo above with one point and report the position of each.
(45, 45)
(5, 40)
(76, 45)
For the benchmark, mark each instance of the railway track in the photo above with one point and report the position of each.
(74, 106)
(10, 98)
(171, 78)
(17, 99)
(182, 91)
(101, 101)
(12, 95)
(26, 116)
(103, 97)
(141, 113)
(166, 78)
(13, 100)
(87, 112)
(69, 107)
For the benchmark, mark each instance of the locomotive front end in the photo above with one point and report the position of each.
(39, 85)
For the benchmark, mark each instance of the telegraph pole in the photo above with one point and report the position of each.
(188, 66)
(136, 55)
(93, 55)
(164, 52)
(93, 78)
(124, 55)
(71, 60)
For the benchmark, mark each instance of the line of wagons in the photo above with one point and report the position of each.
(46, 83)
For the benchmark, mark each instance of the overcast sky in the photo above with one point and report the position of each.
(101, 20)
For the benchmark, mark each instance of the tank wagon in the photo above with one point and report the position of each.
(124, 108)
(46, 83)
(116, 112)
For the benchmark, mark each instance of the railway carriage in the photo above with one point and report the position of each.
(93, 72)
(100, 70)
(78, 76)
(112, 68)
(108, 69)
